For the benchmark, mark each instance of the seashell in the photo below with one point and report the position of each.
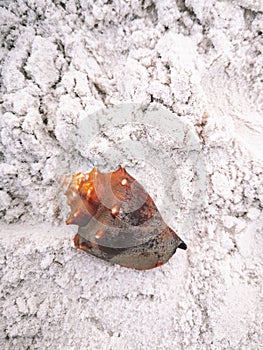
(118, 220)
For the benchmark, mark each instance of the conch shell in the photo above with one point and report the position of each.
(118, 220)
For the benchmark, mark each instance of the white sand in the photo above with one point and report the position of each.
(200, 62)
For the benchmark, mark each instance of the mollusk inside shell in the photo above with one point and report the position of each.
(118, 220)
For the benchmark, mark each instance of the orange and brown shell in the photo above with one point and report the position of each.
(118, 220)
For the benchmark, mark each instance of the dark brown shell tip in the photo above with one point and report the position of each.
(182, 245)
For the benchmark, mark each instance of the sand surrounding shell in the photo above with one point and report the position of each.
(191, 72)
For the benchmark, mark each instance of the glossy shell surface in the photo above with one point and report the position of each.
(118, 220)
